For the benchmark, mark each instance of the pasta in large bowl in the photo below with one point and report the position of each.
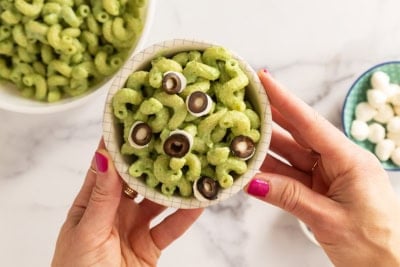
(187, 123)
(56, 55)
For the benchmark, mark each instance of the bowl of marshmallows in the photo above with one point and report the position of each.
(371, 113)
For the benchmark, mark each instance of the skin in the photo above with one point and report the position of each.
(105, 228)
(347, 199)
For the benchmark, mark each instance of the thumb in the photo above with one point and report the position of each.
(293, 196)
(105, 197)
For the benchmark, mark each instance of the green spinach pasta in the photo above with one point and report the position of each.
(53, 49)
(188, 127)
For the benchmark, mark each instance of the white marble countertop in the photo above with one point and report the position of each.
(317, 48)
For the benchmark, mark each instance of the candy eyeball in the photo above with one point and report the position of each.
(140, 135)
(365, 112)
(173, 82)
(376, 133)
(205, 188)
(384, 149)
(359, 130)
(178, 144)
(376, 97)
(199, 103)
(380, 80)
(385, 113)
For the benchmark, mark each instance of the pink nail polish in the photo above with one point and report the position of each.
(101, 162)
(258, 188)
(265, 71)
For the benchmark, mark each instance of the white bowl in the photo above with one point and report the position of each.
(113, 137)
(12, 101)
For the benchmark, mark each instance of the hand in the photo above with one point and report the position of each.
(104, 228)
(337, 188)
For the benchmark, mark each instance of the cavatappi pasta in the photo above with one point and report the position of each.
(56, 49)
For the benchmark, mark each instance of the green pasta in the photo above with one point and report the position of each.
(145, 99)
(84, 41)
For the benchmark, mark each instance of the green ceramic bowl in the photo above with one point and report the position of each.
(357, 94)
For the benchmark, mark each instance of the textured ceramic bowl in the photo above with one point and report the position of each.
(12, 101)
(357, 94)
(113, 136)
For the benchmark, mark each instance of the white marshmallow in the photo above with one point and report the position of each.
(395, 137)
(385, 113)
(395, 99)
(365, 112)
(395, 157)
(384, 149)
(380, 80)
(376, 97)
(376, 133)
(359, 130)
(391, 90)
(393, 125)
(396, 110)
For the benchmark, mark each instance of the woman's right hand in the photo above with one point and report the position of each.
(335, 187)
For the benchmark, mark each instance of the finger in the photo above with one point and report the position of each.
(319, 134)
(81, 200)
(273, 165)
(292, 196)
(174, 226)
(283, 144)
(149, 210)
(105, 197)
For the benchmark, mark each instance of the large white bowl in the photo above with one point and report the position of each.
(113, 136)
(12, 101)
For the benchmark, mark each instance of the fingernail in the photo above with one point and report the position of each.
(258, 188)
(265, 71)
(101, 162)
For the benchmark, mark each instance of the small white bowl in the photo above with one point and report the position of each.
(113, 136)
(12, 101)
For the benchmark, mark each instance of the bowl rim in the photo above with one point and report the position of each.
(369, 70)
(141, 59)
(73, 102)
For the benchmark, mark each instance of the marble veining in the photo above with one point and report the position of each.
(316, 48)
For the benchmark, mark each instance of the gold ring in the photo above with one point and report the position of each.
(129, 192)
(92, 170)
(315, 165)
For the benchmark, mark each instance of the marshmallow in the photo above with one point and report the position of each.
(393, 125)
(385, 113)
(376, 133)
(395, 157)
(384, 149)
(359, 130)
(380, 80)
(376, 97)
(365, 112)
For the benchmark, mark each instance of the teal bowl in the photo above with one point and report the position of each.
(357, 94)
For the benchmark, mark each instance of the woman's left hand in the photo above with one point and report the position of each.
(104, 228)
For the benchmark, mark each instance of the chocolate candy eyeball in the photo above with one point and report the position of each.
(359, 130)
(380, 80)
(243, 147)
(140, 135)
(199, 103)
(205, 188)
(178, 144)
(173, 82)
